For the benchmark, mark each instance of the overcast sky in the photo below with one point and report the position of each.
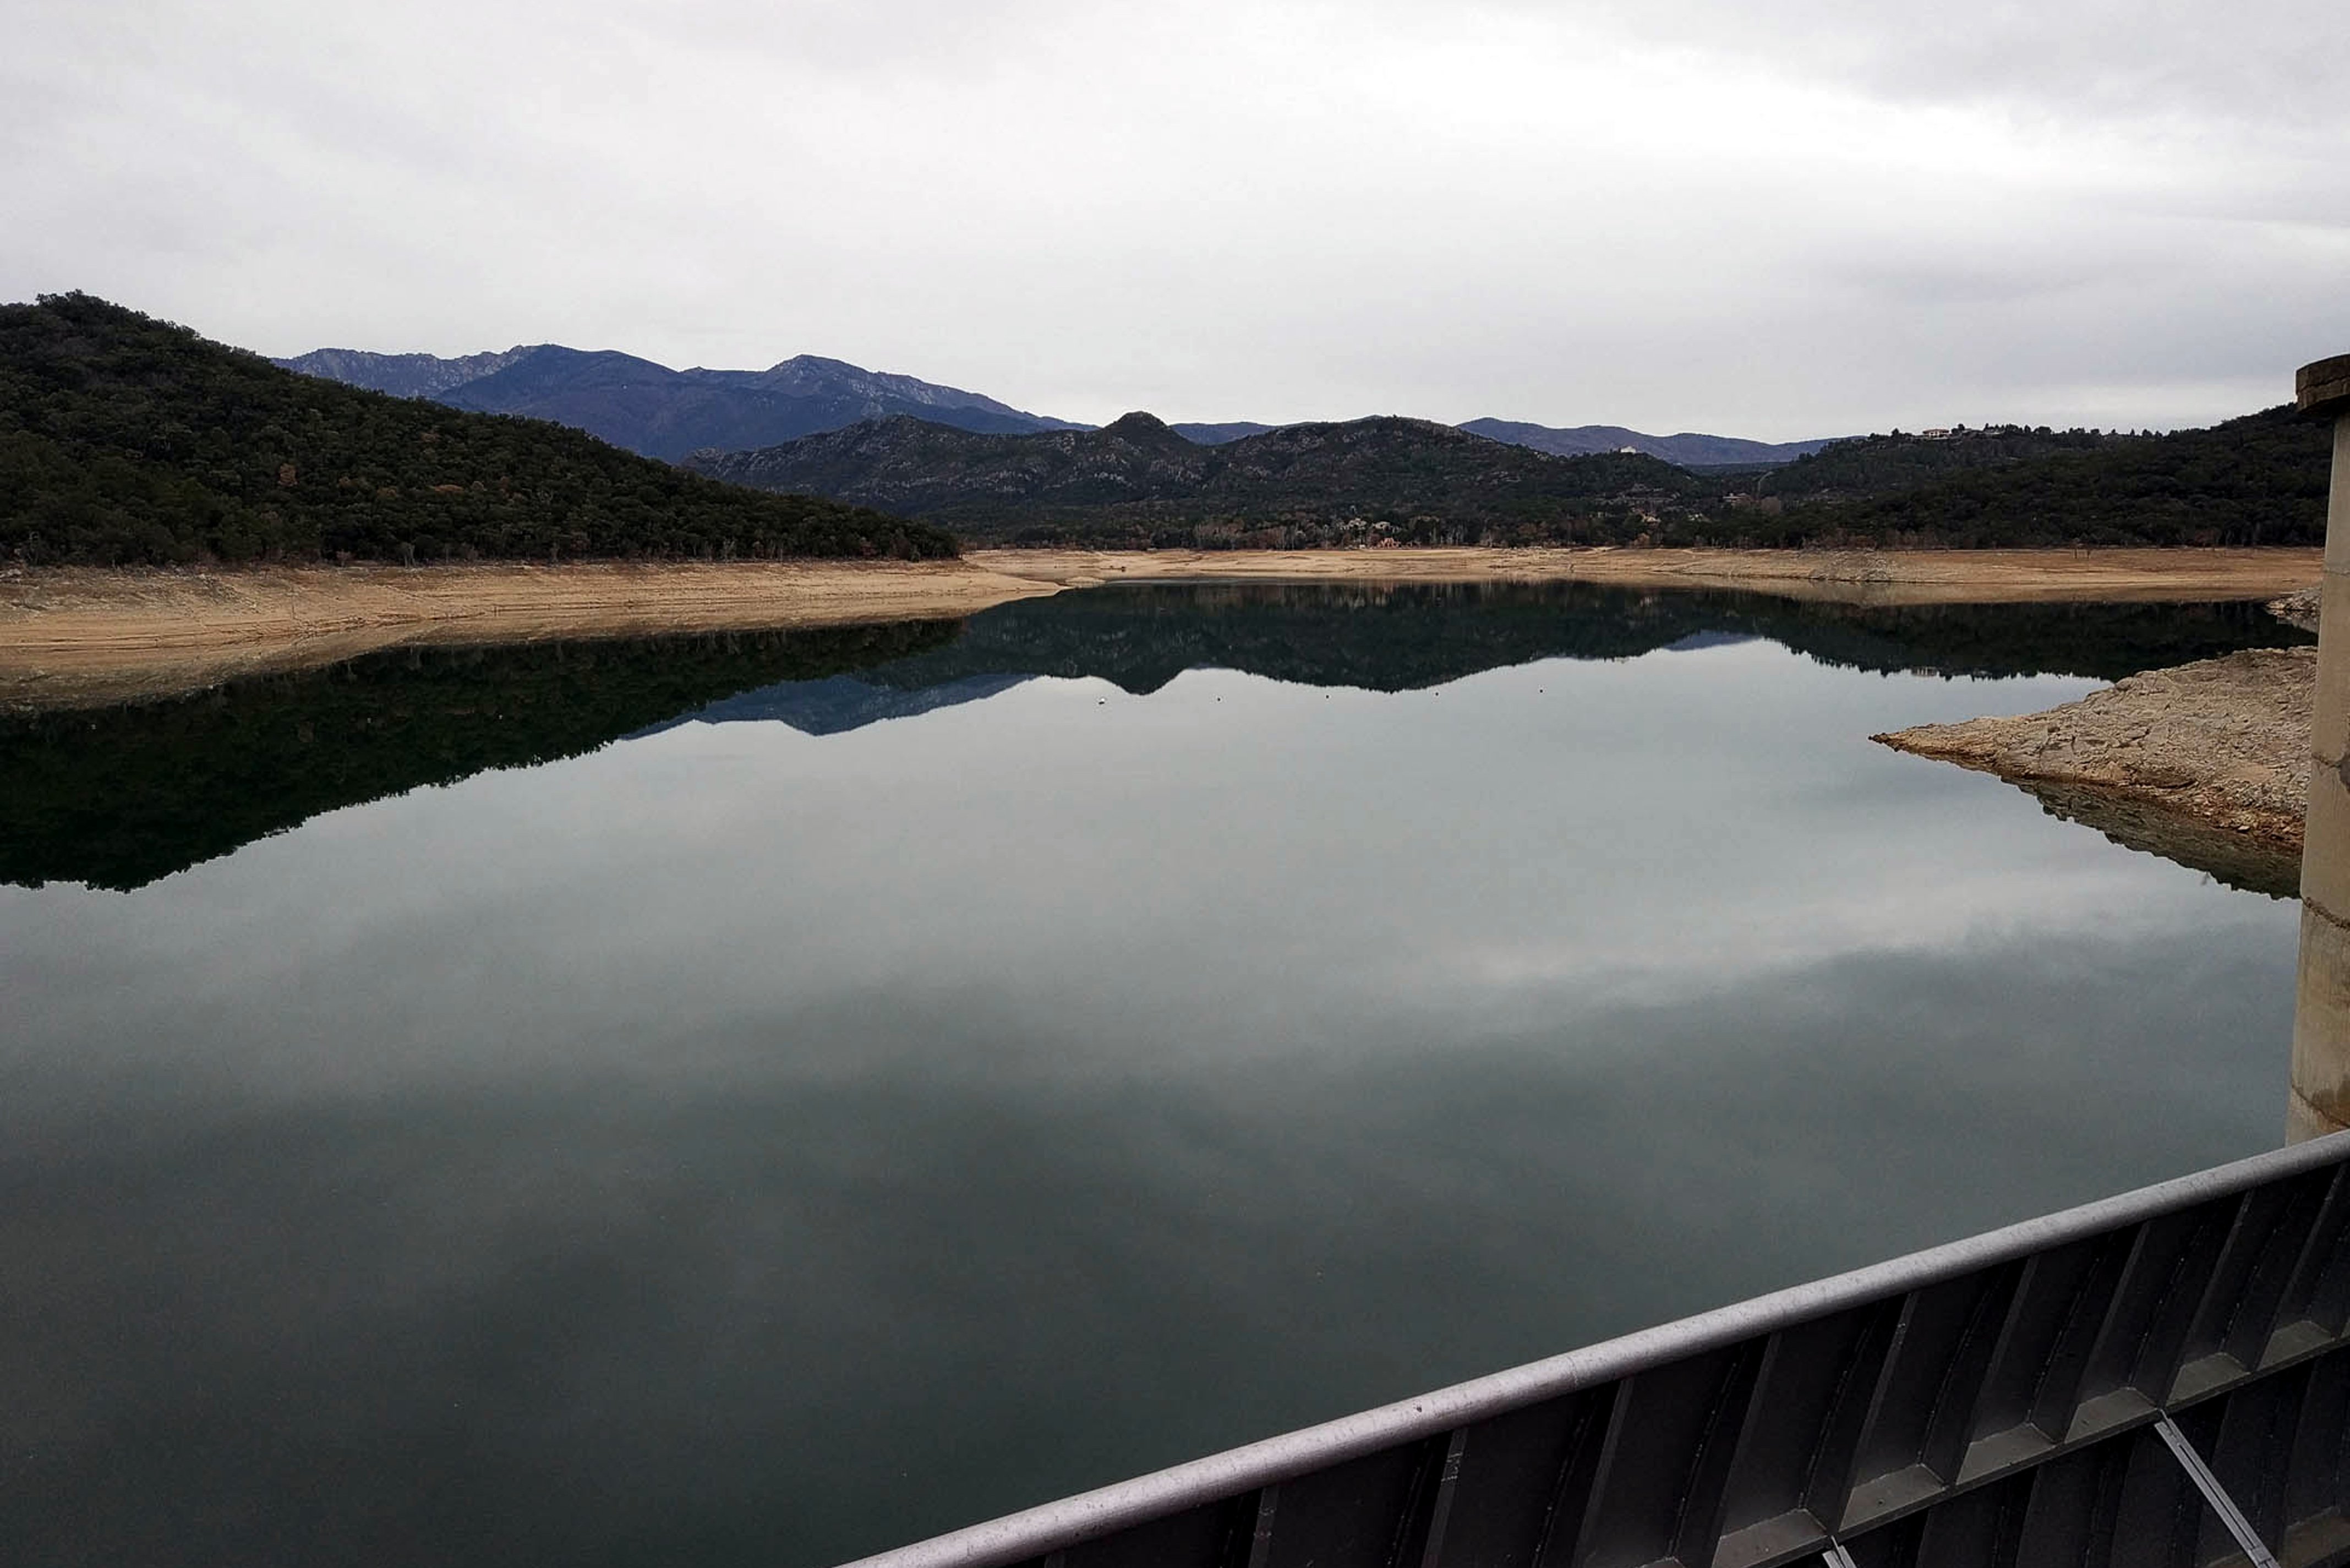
(1798, 219)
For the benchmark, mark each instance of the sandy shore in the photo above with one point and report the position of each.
(2207, 764)
(73, 636)
(1855, 577)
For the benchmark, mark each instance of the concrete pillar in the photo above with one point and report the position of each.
(2321, 1023)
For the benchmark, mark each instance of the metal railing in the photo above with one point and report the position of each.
(2152, 1380)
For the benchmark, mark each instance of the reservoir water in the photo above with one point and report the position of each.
(761, 1100)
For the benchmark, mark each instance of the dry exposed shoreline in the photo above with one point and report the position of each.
(77, 636)
(2207, 764)
(1845, 576)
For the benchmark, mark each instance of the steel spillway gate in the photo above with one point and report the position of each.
(2162, 1379)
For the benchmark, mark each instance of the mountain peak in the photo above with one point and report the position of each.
(818, 362)
(1140, 426)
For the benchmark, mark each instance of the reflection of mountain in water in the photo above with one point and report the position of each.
(1698, 641)
(1404, 639)
(117, 797)
(840, 703)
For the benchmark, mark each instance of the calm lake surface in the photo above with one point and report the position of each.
(764, 1100)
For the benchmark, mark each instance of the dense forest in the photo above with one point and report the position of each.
(1139, 482)
(1880, 465)
(128, 440)
(2259, 479)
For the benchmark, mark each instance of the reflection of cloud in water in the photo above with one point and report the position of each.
(1230, 868)
(772, 1309)
(633, 1157)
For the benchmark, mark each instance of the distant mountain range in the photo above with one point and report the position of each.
(660, 412)
(1688, 449)
(124, 440)
(1141, 480)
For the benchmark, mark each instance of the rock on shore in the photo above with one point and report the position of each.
(2298, 608)
(2207, 764)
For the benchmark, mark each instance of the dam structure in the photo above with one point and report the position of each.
(2159, 1379)
(2321, 1031)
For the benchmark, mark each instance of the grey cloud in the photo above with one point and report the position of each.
(1220, 210)
(2277, 62)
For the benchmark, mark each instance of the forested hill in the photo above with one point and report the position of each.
(2258, 480)
(1138, 481)
(128, 440)
(1879, 464)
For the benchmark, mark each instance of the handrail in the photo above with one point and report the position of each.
(2269, 1230)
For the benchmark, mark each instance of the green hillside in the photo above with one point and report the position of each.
(2257, 480)
(1878, 464)
(127, 440)
(1139, 482)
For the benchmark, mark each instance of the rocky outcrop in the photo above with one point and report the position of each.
(402, 375)
(2298, 609)
(2221, 746)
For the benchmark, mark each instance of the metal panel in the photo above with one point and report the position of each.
(1991, 1404)
(1769, 1506)
(1517, 1471)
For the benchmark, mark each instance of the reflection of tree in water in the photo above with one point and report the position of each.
(1401, 638)
(117, 797)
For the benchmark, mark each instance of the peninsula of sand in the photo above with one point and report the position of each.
(72, 637)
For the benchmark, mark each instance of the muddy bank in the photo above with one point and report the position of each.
(78, 635)
(2207, 764)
